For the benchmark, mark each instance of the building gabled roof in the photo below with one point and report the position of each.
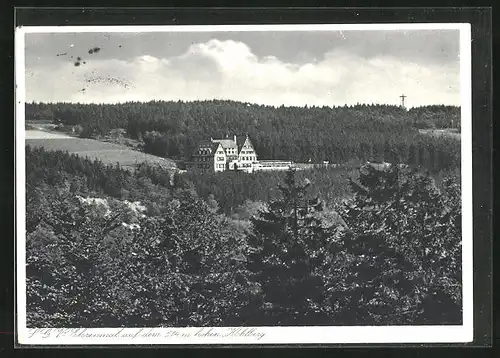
(226, 143)
(246, 141)
(213, 144)
(216, 147)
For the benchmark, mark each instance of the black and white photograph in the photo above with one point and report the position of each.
(244, 184)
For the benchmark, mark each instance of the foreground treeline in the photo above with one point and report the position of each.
(229, 190)
(388, 255)
(338, 134)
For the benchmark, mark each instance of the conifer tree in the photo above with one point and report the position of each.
(287, 248)
(395, 268)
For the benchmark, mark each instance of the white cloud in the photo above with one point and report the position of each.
(230, 70)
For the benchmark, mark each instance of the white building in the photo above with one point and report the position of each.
(225, 154)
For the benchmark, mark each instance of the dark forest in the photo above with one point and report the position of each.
(300, 134)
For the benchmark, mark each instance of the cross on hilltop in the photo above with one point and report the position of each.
(402, 100)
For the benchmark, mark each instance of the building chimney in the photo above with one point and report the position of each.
(235, 138)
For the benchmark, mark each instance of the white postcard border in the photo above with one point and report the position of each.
(250, 335)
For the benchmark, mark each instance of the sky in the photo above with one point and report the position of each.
(291, 68)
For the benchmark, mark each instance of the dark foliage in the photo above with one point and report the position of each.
(146, 183)
(435, 116)
(232, 189)
(394, 260)
(391, 255)
(286, 248)
(176, 269)
(403, 262)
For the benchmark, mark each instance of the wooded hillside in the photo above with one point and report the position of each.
(338, 134)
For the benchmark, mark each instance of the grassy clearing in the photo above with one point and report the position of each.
(447, 132)
(40, 125)
(108, 153)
